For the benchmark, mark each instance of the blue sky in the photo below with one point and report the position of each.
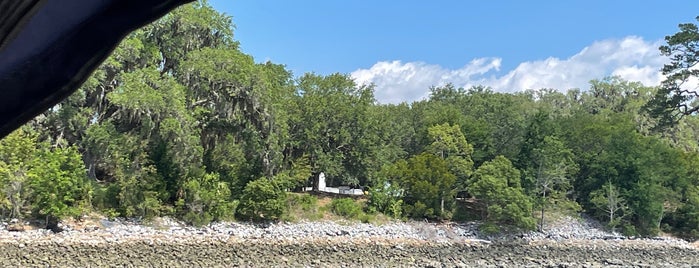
(403, 47)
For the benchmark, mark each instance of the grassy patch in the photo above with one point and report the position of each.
(303, 206)
(351, 209)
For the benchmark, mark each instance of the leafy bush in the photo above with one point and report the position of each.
(105, 198)
(16, 153)
(489, 228)
(496, 184)
(262, 199)
(208, 199)
(346, 207)
(383, 197)
(151, 206)
(395, 210)
(365, 217)
(464, 213)
(426, 184)
(296, 176)
(198, 219)
(138, 190)
(420, 211)
(59, 184)
(629, 230)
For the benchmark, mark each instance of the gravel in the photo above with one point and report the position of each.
(567, 242)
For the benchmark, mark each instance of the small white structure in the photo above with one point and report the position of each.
(345, 190)
(321, 182)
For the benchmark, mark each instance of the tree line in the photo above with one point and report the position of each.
(178, 121)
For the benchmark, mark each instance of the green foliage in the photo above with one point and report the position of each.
(332, 127)
(448, 140)
(17, 152)
(208, 199)
(647, 203)
(302, 207)
(610, 203)
(489, 228)
(306, 202)
(58, 183)
(674, 99)
(419, 210)
(449, 143)
(395, 209)
(555, 168)
(684, 219)
(385, 197)
(296, 175)
(262, 199)
(496, 185)
(425, 180)
(179, 121)
(138, 190)
(346, 207)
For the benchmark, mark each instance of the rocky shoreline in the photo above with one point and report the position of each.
(119, 243)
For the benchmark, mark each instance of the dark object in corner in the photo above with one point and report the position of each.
(48, 48)
(52, 224)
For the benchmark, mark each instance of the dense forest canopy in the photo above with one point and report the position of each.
(178, 121)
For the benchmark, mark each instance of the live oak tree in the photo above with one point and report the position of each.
(332, 127)
(139, 120)
(180, 122)
(493, 122)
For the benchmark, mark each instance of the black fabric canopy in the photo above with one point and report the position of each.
(49, 47)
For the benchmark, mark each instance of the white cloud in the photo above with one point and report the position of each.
(397, 81)
(631, 58)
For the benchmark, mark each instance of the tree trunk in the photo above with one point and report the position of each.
(441, 207)
(543, 208)
(611, 216)
(315, 177)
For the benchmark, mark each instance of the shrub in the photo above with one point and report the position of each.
(396, 209)
(385, 198)
(17, 152)
(208, 199)
(489, 228)
(629, 230)
(262, 199)
(465, 213)
(346, 207)
(198, 219)
(420, 210)
(365, 217)
(59, 184)
(105, 197)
